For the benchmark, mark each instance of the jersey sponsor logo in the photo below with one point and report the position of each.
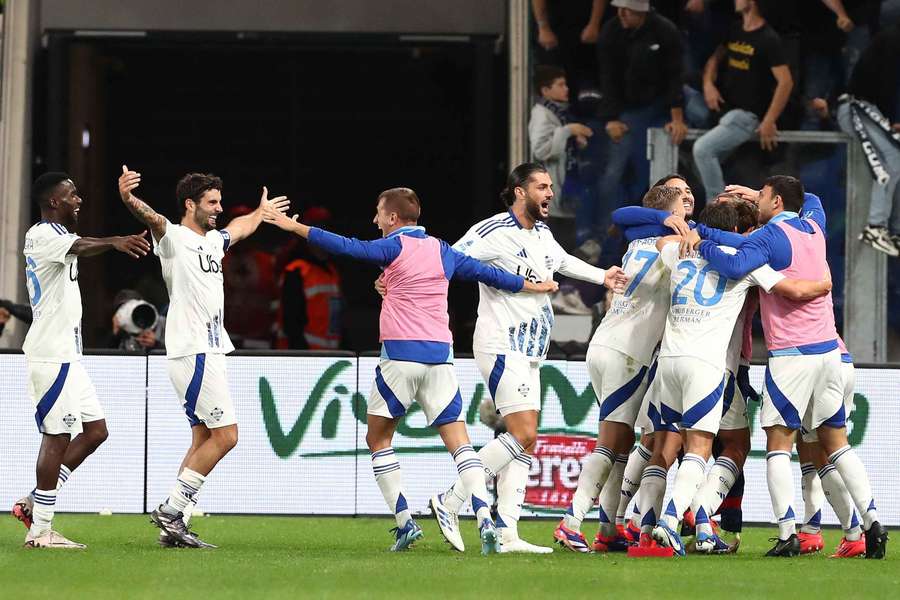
(73, 271)
(210, 266)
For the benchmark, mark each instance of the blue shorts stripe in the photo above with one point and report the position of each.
(395, 407)
(838, 419)
(193, 391)
(621, 395)
(451, 413)
(702, 408)
(728, 396)
(51, 396)
(787, 410)
(496, 374)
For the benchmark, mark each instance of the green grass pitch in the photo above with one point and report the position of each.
(293, 557)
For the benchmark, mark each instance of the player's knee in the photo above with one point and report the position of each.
(99, 435)
(376, 442)
(527, 439)
(227, 438)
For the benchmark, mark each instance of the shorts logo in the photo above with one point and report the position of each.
(69, 420)
(524, 389)
(216, 414)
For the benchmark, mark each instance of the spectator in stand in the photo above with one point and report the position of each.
(752, 92)
(870, 112)
(640, 56)
(554, 140)
(10, 309)
(567, 38)
(251, 290)
(309, 315)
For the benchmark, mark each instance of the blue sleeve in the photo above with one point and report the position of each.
(752, 255)
(721, 238)
(381, 252)
(640, 232)
(812, 209)
(630, 216)
(457, 264)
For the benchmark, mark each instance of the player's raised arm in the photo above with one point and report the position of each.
(128, 181)
(614, 277)
(812, 209)
(381, 252)
(244, 226)
(465, 267)
(752, 255)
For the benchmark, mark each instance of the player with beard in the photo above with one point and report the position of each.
(68, 414)
(191, 254)
(512, 335)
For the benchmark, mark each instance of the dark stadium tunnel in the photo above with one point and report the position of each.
(328, 121)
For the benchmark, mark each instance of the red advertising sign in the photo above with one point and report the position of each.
(555, 467)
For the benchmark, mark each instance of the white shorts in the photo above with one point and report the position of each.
(734, 406)
(619, 383)
(399, 383)
(648, 419)
(688, 393)
(803, 391)
(514, 381)
(848, 379)
(201, 384)
(63, 396)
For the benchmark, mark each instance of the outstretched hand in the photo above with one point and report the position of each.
(279, 203)
(542, 287)
(134, 246)
(616, 280)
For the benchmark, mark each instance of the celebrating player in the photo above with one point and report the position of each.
(417, 346)
(512, 335)
(196, 341)
(618, 361)
(68, 415)
(803, 378)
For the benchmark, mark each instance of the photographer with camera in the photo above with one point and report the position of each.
(136, 324)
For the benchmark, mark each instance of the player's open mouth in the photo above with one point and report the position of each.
(545, 205)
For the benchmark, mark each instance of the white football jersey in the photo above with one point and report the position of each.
(518, 323)
(634, 321)
(192, 269)
(51, 276)
(705, 305)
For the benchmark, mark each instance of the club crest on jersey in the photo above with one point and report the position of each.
(211, 266)
(69, 420)
(548, 262)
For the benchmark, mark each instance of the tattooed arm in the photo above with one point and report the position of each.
(128, 181)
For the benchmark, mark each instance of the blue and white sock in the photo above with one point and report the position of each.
(709, 497)
(690, 476)
(64, 473)
(511, 494)
(595, 471)
(781, 490)
(631, 480)
(42, 512)
(609, 497)
(390, 482)
(471, 476)
(853, 473)
(813, 498)
(839, 498)
(653, 490)
(495, 456)
(186, 487)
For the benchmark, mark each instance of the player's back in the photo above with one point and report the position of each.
(635, 320)
(51, 276)
(192, 270)
(705, 306)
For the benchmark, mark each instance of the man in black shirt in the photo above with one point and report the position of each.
(754, 85)
(640, 55)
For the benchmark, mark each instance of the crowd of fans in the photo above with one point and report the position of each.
(740, 69)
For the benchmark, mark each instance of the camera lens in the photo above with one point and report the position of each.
(144, 316)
